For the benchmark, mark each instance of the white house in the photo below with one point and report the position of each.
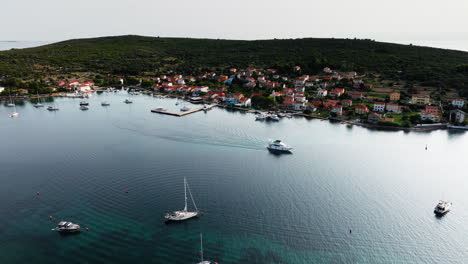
(321, 92)
(458, 103)
(394, 108)
(83, 88)
(203, 89)
(426, 115)
(2, 89)
(379, 107)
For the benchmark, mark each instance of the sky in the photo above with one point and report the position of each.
(421, 22)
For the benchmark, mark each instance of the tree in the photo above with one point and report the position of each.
(262, 102)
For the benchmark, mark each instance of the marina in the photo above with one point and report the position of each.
(182, 113)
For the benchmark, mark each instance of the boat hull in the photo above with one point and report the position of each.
(180, 216)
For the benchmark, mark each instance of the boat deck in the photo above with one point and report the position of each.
(180, 114)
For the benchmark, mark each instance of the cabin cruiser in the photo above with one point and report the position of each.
(184, 109)
(67, 227)
(84, 103)
(277, 145)
(52, 108)
(128, 101)
(105, 103)
(84, 107)
(442, 207)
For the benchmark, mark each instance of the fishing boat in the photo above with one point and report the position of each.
(105, 103)
(202, 261)
(279, 146)
(184, 214)
(67, 227)
(84, 103)
(128, 101)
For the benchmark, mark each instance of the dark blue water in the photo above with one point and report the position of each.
(259, 207)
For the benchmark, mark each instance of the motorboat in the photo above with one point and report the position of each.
(52, 108)
(14, 114)
(84, 107)
(183, 214)
(278, 145)
(260, 116)
(67, 227)
(105, 103)
(37, 105)
(128, 101)
(274, 117)
(84, 103)
(11, 105)
(442, 207)
(185, 109)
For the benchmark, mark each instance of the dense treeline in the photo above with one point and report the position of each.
(135, 54)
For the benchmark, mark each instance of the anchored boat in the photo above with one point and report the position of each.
(184, 214)
(67, 227)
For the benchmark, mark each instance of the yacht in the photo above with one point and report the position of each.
(67, 227)
(84, 107)
(84, 103)
(52, 108)
(442, 207)
(184, 109)
(105, 103)
(128, 101)
(14, 114)
(201, 252)
(10, 104)
(277, 145)
(184, 214)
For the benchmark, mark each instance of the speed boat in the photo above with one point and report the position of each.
(52, 108)
(128, 101)
(84, 103)
(277, 145)
(67, 227)
(442, 207)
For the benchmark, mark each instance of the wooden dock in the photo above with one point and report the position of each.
(179, 114)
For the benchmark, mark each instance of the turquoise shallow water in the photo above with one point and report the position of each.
(259, 207)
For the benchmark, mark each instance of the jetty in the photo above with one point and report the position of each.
(180, 114)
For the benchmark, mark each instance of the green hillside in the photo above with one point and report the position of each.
(133, 54)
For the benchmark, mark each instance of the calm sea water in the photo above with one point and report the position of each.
(259, 207)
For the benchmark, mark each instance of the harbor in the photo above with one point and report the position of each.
(183, 113)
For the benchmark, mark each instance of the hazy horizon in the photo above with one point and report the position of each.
(427, 23)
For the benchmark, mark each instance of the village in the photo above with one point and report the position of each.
(349, 97)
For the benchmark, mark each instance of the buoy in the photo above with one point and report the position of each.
(50, 217)
(350, 231)
(202, 213)
(87, 228)
(37, 193)
(126, 191)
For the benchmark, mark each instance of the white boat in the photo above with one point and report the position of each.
(84, 107)
(128, 101)
(84, 103)
(442, 207)
(274, 117)
(184, 214)
(105, 103)
(277, 145)
(201, 252)
(14, 113)
(260, 116)
(38, 103)
(11, 104)
(52, 108)
(185, 109)
(67, 227)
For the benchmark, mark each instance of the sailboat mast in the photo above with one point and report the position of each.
(201, 247)
(185, 193)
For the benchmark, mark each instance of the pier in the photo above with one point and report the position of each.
(180, 114)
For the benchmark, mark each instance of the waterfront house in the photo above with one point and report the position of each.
(317, 104)
(429, 116)
(374, 118)
(299, 82)
(457, 116)
(432, 109)
(346, 102)
(329, 104)
(458, 102)
(379, 107)
(394, 108)
(245, 102)
(361, 109)
(321, 92)
(394, 96)
(421, 99)
(83, 88)
(338, 109)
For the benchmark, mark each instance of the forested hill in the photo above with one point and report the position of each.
(133, 54)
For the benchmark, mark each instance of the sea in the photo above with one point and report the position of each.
(344, 195)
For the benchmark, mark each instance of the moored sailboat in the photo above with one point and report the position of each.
(183, 214)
